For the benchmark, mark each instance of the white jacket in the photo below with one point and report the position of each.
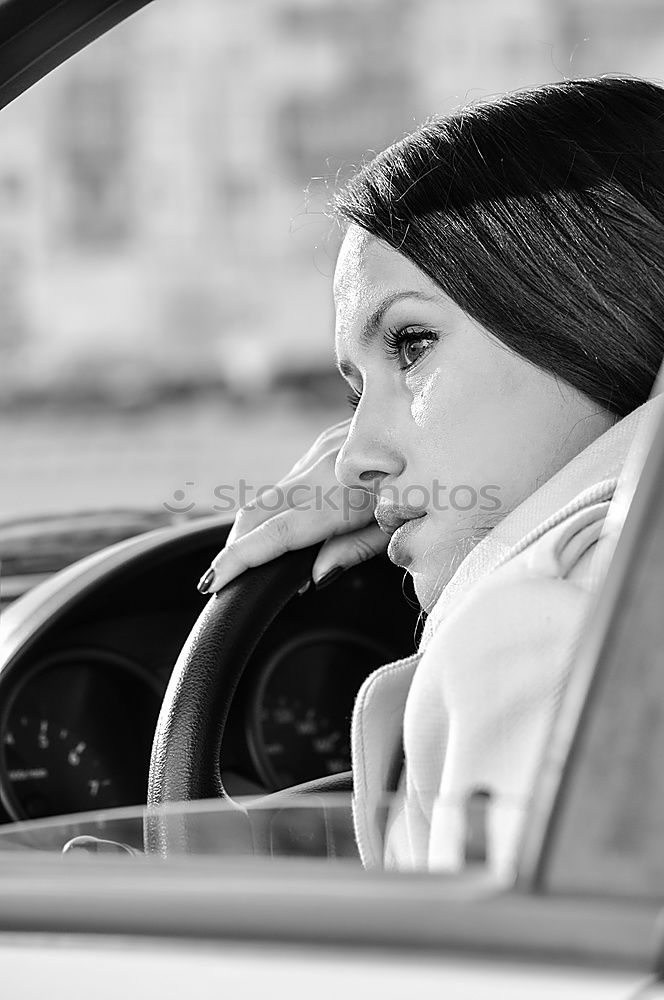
(472, 709)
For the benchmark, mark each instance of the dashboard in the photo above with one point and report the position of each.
(80, 705)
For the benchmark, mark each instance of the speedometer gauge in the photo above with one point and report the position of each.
(45, 756)
(76, 734)
(300, 724)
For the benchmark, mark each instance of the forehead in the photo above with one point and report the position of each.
(367, 272)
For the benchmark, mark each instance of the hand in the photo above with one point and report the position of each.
(308, 505)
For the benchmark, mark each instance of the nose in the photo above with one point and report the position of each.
(370, 452)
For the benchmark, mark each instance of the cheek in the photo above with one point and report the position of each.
(447, 414)
(433, 416)
(430, 424)
(426, 399)
(462, 438)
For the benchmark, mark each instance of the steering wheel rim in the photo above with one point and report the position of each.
(186, 749)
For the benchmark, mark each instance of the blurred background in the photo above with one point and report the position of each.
(166, 321)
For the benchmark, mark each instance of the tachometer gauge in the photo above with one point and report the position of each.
(300, 725)
(77, 733)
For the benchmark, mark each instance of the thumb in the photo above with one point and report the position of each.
(343, 551)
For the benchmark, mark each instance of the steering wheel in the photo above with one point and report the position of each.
(185, 762)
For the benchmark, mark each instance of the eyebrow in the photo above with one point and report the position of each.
(372, 324)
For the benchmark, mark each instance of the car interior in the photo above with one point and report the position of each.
(134, 712)
(89, 680)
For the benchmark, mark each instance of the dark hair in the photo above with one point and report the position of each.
(541, 214)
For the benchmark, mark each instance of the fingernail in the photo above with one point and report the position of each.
(329, 577)
(205, 581)
(304, 588)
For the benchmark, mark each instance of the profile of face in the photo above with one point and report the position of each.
(451, 429)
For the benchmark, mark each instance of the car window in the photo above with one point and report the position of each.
(165, 307)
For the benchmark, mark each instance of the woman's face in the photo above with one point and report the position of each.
(452, 430)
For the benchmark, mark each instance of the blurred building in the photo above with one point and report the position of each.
(155, 232)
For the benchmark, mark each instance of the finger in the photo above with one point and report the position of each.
(344, 551)
(290, 493)
(334, 430)
(265, 505)
(331, 439)
(282, 533)
(296, 490)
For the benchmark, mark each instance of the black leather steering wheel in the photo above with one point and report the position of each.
(185, 762)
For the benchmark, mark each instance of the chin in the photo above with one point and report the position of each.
(430, 577)
(427, 590)
(434, 558)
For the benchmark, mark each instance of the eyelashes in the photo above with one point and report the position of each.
(397, 342)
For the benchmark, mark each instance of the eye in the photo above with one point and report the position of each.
(408, 345)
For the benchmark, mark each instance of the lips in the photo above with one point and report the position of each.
(399, 522)
(391, 517)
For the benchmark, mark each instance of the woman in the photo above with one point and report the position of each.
(499, 294)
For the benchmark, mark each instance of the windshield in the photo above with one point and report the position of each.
(311, 827)
(165, 307)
